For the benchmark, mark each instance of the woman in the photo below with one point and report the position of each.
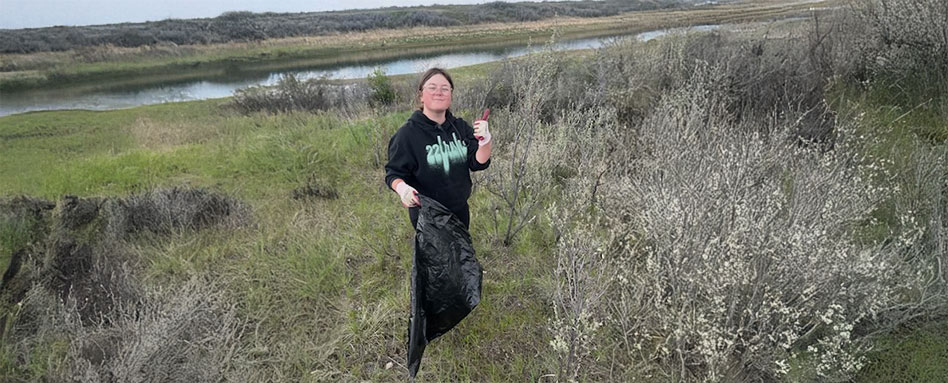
(434, 152)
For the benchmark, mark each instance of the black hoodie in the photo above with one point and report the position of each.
(435, 159)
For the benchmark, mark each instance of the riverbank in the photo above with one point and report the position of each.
(128, 67)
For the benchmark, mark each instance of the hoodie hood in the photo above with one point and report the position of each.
(421, 120)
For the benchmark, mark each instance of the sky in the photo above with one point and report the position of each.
(16, 14)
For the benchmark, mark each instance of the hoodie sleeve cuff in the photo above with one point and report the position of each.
(476, 166)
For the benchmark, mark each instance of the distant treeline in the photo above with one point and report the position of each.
(248, 26)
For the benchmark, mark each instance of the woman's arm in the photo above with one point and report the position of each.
(484, 144)
(401, 164)
(483, 153)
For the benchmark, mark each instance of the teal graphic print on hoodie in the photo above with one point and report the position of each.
(436, 159)
(443, 154)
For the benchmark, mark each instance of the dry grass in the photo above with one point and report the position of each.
(162, 136)
(79, 286)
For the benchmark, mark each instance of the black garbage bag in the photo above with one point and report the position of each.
(445, 278)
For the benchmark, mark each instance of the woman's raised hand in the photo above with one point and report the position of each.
(481, 132)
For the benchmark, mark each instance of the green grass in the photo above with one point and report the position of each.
(14, 234)
(906, 105)
(44, 360)
(326, 280)
(919, 355)
(85, 152)
(901, 125)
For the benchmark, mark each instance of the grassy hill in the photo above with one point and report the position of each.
(309, 279)
(321, 280)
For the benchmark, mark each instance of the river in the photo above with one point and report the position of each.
(12, 103)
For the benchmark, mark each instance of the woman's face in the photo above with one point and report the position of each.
(436, 94)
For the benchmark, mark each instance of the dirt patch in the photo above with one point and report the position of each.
(314, 189)
(75, 247)
(164, 210)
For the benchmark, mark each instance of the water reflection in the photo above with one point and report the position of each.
(225, 87)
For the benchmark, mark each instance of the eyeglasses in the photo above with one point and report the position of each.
(433, 89)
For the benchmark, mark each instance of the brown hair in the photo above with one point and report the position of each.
(427, 76)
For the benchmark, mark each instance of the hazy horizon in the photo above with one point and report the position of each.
(18, 14)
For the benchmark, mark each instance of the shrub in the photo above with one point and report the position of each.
(184, 333)
(381, 90)
(293, 94)
(914, 33)
(493, 91)
(74, 310)
(134, 38)
(581, 278)
(738, 248)
(902, 46)
(237, 26)
(764, 79)
(521, 188)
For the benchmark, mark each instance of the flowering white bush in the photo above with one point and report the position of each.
(915, 24)
(739, 247)
(574, 151)
(907, 37)
(580, 280)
